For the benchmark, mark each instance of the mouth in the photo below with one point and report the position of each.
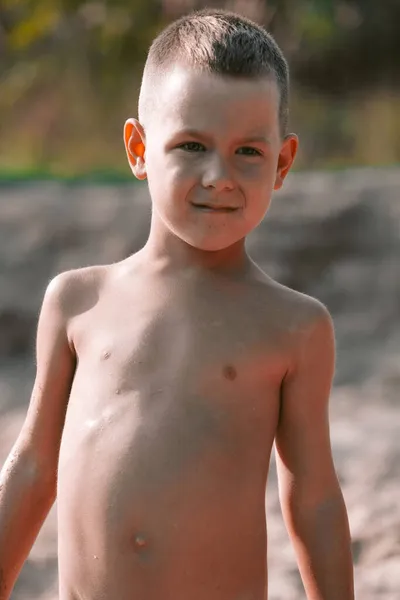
(216, 209)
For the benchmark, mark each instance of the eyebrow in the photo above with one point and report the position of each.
(248, 140)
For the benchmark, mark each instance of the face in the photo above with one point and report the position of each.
(212, 153)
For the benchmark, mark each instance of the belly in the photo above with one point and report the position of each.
(157, 496)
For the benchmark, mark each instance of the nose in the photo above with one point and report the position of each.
(217, 175)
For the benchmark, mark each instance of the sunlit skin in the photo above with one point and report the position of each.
(180, 366)
(211, 140)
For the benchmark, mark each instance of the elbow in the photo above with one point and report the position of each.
(323, 509)
(321, 524)
(44, 479)
(32, 473)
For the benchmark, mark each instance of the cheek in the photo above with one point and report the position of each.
(172, 170)
(183, 168)
(168, 182)
(257, 177)
(259, 172)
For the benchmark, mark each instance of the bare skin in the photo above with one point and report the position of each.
(163, 381)
(169, 429)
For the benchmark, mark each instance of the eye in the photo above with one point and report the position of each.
(249, 151)
(192, 147)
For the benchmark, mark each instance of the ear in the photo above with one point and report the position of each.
(135, 146)
(287, 155)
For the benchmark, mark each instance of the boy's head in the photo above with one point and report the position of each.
(212, 129)
(219, 43)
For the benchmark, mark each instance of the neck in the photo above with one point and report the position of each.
(169, 252)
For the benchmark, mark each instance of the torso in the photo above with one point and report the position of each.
(168, 436)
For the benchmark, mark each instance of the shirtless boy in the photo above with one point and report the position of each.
(164, 380)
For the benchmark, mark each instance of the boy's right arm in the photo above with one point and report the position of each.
(28, 480)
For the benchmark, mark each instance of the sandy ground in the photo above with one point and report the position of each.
(343, 249)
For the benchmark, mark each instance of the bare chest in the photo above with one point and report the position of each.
(171, 402)
(208, 374)
(202, 347)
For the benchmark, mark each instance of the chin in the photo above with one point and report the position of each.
(210, 244)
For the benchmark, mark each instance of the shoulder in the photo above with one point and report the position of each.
(304, 323)
(305, 313)
(69, 295)
(297, 310)
(311, 333)
(306, 310)
(71, 292)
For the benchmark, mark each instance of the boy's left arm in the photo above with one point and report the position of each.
(312, 503)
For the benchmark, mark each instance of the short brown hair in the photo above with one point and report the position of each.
(224, 43)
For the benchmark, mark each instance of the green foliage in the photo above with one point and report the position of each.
(70, 69)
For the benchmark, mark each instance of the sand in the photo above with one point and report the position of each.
(335, 236)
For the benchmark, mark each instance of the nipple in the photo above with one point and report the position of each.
(230, 372)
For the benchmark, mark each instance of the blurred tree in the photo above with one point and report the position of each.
(348, 42)
(72, 67)
(358, 52)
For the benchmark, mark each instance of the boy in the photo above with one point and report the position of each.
(163, 380)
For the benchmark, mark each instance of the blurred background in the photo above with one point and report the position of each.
(70, 73)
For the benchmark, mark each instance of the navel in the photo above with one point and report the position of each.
(229, 372)
(141, 547)
(140, 541)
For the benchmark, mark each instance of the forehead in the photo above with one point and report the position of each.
(204, 101)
